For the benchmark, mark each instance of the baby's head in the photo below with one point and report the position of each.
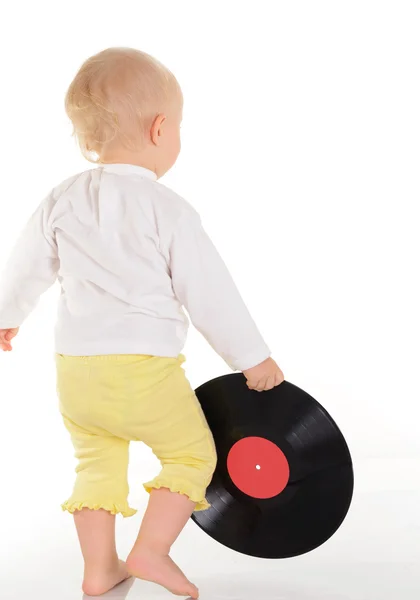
(126, 107)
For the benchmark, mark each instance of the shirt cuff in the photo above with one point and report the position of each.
(11, 319)
(249, 361)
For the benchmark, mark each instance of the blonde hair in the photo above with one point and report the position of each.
(114, 97)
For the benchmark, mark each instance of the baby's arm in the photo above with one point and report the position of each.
(203, 284)
(30, 271)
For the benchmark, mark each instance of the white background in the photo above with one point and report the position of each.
(301, 151)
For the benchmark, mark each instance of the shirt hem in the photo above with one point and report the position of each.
(96, 349)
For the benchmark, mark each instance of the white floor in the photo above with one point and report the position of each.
(374, 556)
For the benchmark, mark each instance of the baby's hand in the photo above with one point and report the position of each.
(6, 336)
(264, 376)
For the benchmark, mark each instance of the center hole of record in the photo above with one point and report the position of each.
(258, 467)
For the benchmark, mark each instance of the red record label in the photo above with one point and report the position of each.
(258, 467)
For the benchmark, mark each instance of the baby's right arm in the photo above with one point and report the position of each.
(203, 284)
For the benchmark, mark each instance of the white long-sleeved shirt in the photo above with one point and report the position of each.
(129, 254)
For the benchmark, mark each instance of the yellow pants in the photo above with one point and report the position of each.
(108, 401)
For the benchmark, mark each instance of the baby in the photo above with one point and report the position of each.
(130, 255)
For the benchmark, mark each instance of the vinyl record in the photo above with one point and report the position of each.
(284, 478)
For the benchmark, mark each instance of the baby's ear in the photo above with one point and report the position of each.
(156, 129)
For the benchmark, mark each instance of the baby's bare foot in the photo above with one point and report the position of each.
(96, 584)
(162, 570)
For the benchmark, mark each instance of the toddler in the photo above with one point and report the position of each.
(130, 255)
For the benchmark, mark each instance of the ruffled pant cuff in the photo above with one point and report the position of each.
(114, 509)
(179, 488)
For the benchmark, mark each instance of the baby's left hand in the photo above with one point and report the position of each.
(6, 336)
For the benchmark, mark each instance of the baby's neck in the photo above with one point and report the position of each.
(123, 157)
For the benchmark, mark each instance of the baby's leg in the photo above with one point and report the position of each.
(181, 439)
(165, 518)
(103, 569)
(100, 491)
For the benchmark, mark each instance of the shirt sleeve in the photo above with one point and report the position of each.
(31, 269)
(203, 284)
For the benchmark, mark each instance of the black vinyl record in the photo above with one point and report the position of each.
(284, 478)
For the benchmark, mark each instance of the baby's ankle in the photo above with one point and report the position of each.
(150, 547)
(101, 565)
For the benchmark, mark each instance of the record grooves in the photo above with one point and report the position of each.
(284, 479)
